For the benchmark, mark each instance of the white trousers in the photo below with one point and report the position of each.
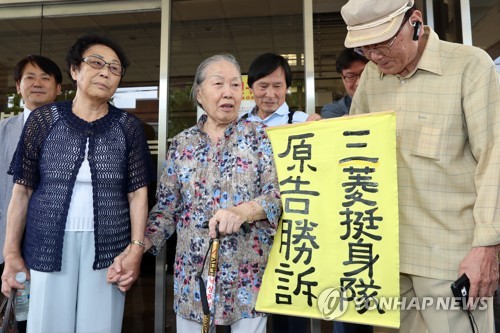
(76, 299)
(245, 325)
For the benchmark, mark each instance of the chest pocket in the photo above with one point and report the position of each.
(433, 136)
(428, 143)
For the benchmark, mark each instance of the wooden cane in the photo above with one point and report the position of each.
(211, 286)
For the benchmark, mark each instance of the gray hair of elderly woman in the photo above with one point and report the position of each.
(201, 72)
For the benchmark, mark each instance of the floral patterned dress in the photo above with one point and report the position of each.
(199, 178)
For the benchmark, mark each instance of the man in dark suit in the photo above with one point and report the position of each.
(350, 65)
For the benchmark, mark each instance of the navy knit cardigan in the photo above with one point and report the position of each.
(48, 158)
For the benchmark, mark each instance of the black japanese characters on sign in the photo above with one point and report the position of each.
(360, 223)
(298, 239)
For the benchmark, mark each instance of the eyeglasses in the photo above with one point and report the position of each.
(380, 49)
(351, 78)
(99, 63)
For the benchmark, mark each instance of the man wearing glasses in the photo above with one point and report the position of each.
(447, 102)
(350, 65)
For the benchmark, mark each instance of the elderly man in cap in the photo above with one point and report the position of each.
(447, 102)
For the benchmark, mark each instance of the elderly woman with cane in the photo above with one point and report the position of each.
(221, 170)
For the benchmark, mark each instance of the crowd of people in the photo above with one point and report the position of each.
(75, 174)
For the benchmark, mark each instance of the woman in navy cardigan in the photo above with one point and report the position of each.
(81, 171)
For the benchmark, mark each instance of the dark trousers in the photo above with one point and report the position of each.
(340, 327)
(289, 324)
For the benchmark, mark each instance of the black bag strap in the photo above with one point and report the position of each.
(4, 303)
(9, 319)
(290, 116)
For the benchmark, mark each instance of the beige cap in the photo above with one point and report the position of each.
(373, 21)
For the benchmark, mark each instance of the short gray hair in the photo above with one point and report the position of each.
(201, 72)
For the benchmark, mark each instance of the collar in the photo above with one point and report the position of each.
(100, 125)
(281, 111)
(227, 132)
(431, 60)
(348, 101)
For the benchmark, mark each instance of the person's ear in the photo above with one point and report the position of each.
(73, 72)
(416, 29)
(198, 97)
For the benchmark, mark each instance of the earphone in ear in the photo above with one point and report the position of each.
(416, 29)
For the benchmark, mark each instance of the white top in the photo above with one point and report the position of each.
(26, 114)
(81, 212)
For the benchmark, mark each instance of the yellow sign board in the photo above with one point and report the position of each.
(336, 251)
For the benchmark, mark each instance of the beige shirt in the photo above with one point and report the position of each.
(448, 140)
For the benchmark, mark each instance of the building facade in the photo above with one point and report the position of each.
(167, 39)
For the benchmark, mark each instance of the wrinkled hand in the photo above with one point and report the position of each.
(314, 117)
(13, 265)
(126, 268)
(229, 221)
(481, 266)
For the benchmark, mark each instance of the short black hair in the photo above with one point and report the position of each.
(267, 63)
(74, 57)
(346, 58)
(44, 63)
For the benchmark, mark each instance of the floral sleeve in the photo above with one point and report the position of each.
(161, 220)
(269, 197)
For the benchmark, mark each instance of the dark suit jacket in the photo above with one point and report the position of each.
(10, 131)
(337, 109)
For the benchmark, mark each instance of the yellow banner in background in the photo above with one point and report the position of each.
(336, 252)
(248, 102)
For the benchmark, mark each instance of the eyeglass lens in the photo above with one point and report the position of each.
(99, 63)
(382, 50)
(351, 78)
